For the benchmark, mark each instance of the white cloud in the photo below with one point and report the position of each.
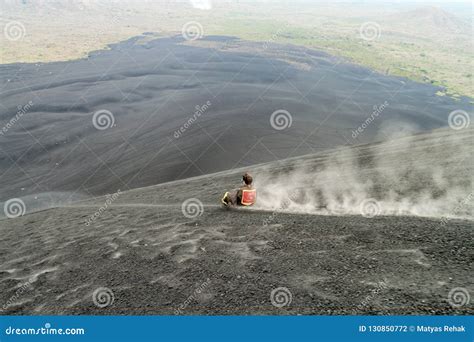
(202, 4)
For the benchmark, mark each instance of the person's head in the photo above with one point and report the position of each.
(247, 178)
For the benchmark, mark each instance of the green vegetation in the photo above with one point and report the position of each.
(410, 44)
(418, 59)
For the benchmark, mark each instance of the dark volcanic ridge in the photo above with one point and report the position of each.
(177, 109)
(171, 249)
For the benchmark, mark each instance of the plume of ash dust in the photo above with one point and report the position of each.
(423, 175)
(202, 4)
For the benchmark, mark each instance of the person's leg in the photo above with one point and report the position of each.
(238, 197)
(230, 198)
(225, 200)
(233, 197)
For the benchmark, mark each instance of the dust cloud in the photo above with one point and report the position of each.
(423, 175)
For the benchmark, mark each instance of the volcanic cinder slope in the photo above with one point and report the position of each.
(152, 88)
(159, 251)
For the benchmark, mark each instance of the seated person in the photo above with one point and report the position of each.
(246, 195)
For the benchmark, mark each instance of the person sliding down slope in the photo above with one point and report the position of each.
(246, 195)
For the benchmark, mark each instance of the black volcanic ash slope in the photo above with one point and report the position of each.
(154, 259)
(152, 89)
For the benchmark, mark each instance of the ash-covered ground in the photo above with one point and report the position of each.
(171, 249)
(171, 109)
